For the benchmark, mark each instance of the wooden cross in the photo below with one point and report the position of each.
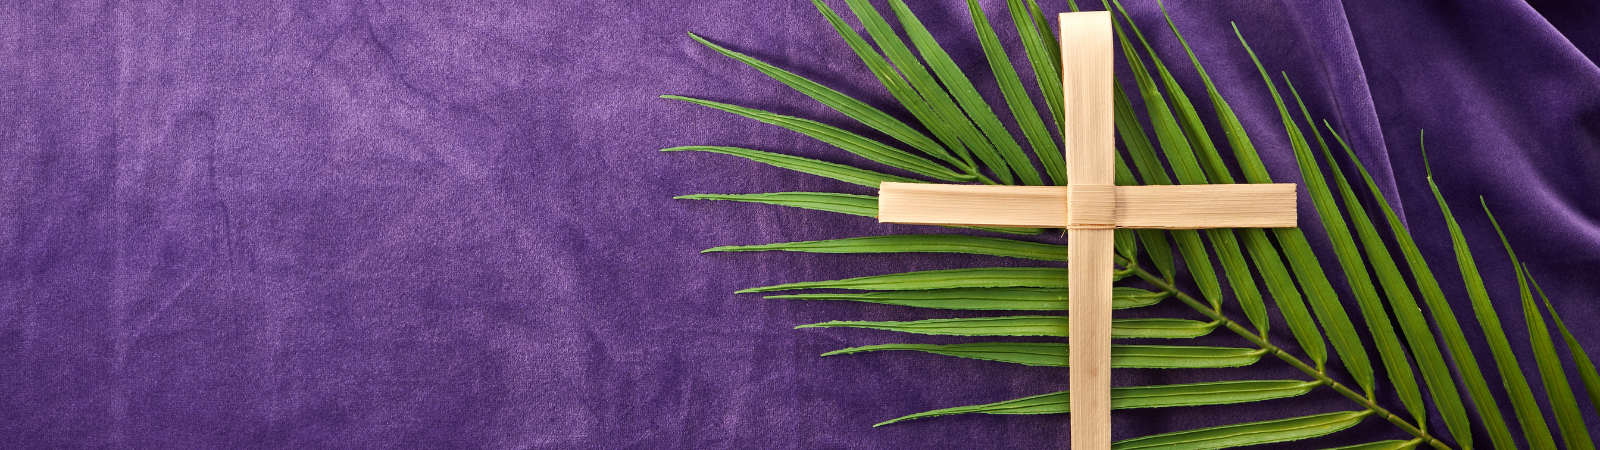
(1090, 207)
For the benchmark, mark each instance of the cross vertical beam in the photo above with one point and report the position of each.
(1087, 133)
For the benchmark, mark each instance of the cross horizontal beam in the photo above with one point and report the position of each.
(1169, 207)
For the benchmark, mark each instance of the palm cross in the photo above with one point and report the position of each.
(1090, 207)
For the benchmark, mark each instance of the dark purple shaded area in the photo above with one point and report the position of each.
(405, 225)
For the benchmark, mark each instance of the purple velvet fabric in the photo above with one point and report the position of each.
(446, 225)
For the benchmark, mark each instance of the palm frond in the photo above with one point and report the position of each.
(1544, 353)
(841, 172)
(1444, 319)
(1253, 433)
(1586, 369)
(1522, 400)
(1054, 354)
(845, 140)
(1323, 301)
(917, 243)
(1054, 326)
(995, 299)
(965, 94)
(967, 141)
(1163, 396)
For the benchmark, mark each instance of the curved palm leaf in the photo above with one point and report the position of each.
(967, 135)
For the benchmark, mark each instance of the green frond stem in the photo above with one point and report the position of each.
(1205, 309)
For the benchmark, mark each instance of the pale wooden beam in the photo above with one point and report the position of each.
(955, 204)
(1086, 57)
(1168, 207)
(1206, 206)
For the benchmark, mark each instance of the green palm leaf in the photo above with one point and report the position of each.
(1454, 338)
(1008, 299)
(1304, 262)
(824, 169)
(857, 205)
(901, 90)
(1253, 433)
(855, 109)
(1033, 127)
(1383, 445)
(845, 140)
(1054, 354)
(1133, 138)
(1573, 433)
(1586, 369)
(944, 108)
(1420, 338)
(1043, 277)
(1522, 401)
(1189, 171)
(1261, 251)
(965, 94)
(1197, 394)
(1174, 145)
(963, 126)
(917, 243)
(1033, 326)
(1046, 68)
(1381, 329)
(1295, 246)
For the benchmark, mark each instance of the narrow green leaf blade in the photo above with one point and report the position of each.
(939, 101)
(1006, 299)
(924, 243)
(899, 88)
(1046, 71)
(1181, 149)
(1586, 369)
(1323, 300)
(1052, 403)
(1044, 277)
(1253, 433)
(1211, 393)
(1445, 319)
(1032, 326)
(1430, 361)
(1384, 445)
(966, 95)
(1033, 128)
(847, 141)
(1134, 139)
(1539, 336)
(1574, 433)
(1164, 396)
(1159, 251)
(1176, 147)
(1395, 361)
(1527, 412)
(824, 169)
(1285, 294)
(1131, 132)
(1054, 354)
(855, 109)
(1265, 256)
(858, 205)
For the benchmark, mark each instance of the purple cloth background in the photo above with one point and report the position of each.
(376, 225)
